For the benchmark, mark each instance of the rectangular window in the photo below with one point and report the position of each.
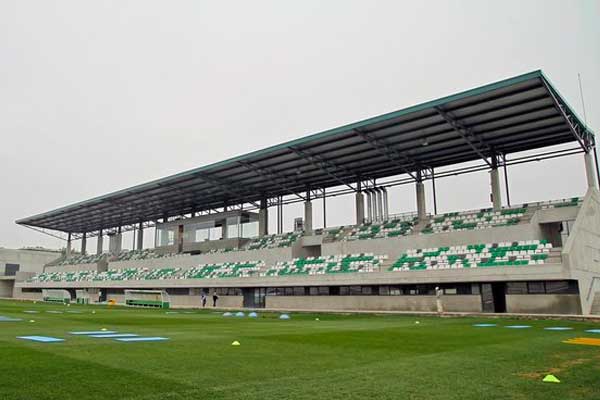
(299, 291)
(395, 291)
(11, 269)
(31, 290)
(324, 290)
(536, 288)
(426, 290)
(355, 290)
(179, 291)
(516, 288)
(561, 287)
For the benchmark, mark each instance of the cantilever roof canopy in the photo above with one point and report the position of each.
(513, 115)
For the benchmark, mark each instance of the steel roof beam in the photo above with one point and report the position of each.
(260, 171)
(322, 164)
(389, 152)
(573, 126)
(466, 133)
(225, 185)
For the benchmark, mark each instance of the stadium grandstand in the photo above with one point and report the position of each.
(211, 223)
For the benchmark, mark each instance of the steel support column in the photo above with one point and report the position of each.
(83, 243)
(68, 249)
(420, 192)
(506, 179)
(140, 237)
(99, 245)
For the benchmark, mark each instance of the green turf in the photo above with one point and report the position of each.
(338, 357)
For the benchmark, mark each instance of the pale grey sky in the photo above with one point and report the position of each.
(98, 96)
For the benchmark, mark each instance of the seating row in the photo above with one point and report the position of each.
(483, 219)
(517, 253)
(392, 228)
(326, 265)
(531, 252)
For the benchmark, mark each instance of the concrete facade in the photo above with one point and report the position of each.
(579, 260)
(543, 304)
(29, 260)
(467, 303)
(581, 253)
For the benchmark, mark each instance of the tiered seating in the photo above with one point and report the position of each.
(82, 259)
(326, 265)
(225, 250)
(129, 255)
(469, 220)
(225, 270)
(62, 276)
(375, 230)
(332, 234)
(572, 202)
(529, 252)
(273, 241)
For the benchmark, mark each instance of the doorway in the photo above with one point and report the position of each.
(254, 297)
(493, 297)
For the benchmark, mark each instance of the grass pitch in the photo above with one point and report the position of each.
(337, 357)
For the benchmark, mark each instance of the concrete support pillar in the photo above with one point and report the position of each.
(140, 237)
(84, 243)
(263, 218)
(420, 191)
(68, 249)
(360, 208)
(100, 245)
(374, 205)
(115, 243)
(308, 217)
(495, 184)
(369, 206)
(179, 238)
(590, 171)
(386, 210)
(380, 216)
(224, 232)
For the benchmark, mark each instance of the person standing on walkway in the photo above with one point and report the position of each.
(215, 298)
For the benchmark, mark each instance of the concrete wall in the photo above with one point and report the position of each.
(543, 303)
(19, 294)
(6, 287)
(465, 303)
(196, 302)
(581, 253)
(28, 260)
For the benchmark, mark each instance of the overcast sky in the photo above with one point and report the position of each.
(97, 96)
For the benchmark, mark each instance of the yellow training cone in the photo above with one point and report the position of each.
(235, 343)
(31, 320)
(551, 379)
(103, 329)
